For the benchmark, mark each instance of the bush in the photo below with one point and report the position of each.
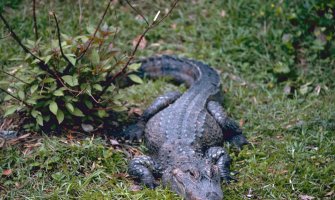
(72, 79)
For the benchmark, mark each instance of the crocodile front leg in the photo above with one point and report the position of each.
(219, 157)
(143, 168)
(136, 130)
(231, 130)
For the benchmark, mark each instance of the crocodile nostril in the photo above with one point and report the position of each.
(213, 196)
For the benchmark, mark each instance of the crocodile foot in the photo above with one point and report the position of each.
(134, 131)
(219, 157)
(143, 169)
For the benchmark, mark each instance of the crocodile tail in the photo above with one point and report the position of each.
(179, 70)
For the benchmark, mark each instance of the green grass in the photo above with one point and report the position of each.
(292, 135)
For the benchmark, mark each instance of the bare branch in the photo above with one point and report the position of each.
(3, 71)
(95, 32)
(60, 41)
(138, 12)
(25, 103)
(35, 21)
(132, 55)
(174, 4)
(41, 63)
(17, 39)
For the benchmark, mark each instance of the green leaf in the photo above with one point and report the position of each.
(88, 104)
(58, 93)
(120, 108)
(95, 58)
(134, 66)
(72, 58)
(69, 107)
(39, 120)
(77, 112)
(60, 116)
(21, 94)
(7, 98)
(71, 80)
(33, 88)
(35, 61)
(35, 113)
(47, 59)
(97, 87)
(10, 110)
(46, 118)
(135, 78)
(31, 101)
(53, 107)
(49, 80)
(281, 68)
(102, 113)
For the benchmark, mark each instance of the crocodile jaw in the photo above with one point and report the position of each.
(193, 186)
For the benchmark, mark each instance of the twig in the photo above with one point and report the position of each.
(41, 63)
(138, 12)
(174, 4)
(35, 21)
(13, 76)
(132, 55)
(80, 14)
(17, 39)
(95, 32)
(25, 103)
(60, 41)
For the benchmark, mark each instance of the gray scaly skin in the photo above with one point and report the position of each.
(185, 132)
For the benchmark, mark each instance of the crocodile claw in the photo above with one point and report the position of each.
(134, 131)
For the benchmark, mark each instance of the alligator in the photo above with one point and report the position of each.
(184, 133)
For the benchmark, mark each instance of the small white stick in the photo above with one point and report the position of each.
(157, 15)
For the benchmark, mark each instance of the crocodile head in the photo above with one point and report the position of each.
(195, 183)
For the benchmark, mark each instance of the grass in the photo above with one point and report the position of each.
(289, 117)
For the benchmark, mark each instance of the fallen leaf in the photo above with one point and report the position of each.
(241, 123)
(143, 42)
(317, 90)
(135, 188)
(250, 195)
(135, 111)
(33, 145)
(287, 90)
(69, 136)
(120, 175)
(223, 13)
(306, 197)
(114, 142)
(7, 172)
(87, 127)
(93, 166)
(330, 194)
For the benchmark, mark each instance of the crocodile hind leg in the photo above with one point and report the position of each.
(219, 157)
(231, 130)
(136, 130)
(144, 168)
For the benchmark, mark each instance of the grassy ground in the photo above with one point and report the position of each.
(281, 92)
